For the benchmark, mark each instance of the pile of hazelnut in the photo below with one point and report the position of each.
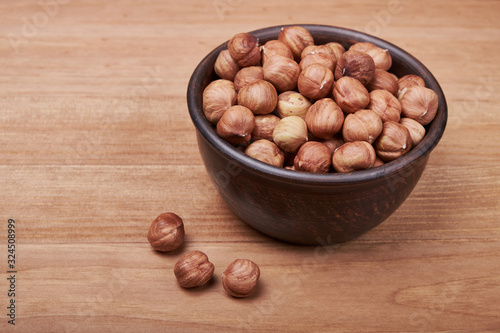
(316, 108)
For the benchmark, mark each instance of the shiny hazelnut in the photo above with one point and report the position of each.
(381, 57)
(417, 130)
(350, 94)
(267, 152)
(264, 126)
(393, 142)
(259, 96)
(292, 103)
(296, 38)
(337, 49)
(236, 125)
(248, 75)
(166, 233)
(317, 58)
(334, 142)
(385, 104)
(240, 278)
(290, 133)
(324, 118)
(313, 157)
(218, 96)
(315, 81)
(352, 156)
(225, 66)
(244, 48)
(357, 65)
(408, 81)
(193, 269)
(282, 72)
(275, 47)
(383, 80)
(420, 103)
(363, 125)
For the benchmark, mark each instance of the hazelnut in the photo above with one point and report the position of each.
(166, 233)
(292, 103)
(337, 49)
(193, 269)
(314, 157)
(420, 103)
(317, 58)
(282, 72)
(244, 48)
(350, 94)
(383, 80)
(259, 96)
(320, 49)
(357, 65)
(393, 142)
(352, 156)
(267, 152)
(240, 278)
(324, 118)
(363, 125)
(296, 38)
(290, 133)
(247, 75)
(236, 125)
(381, 57)
(385, 104)
(218, 96)
(378, 162)
(225, 66)
(275, 47)
(334, 142)
(408, 81)
(315, 81)
(264, 126)
(416, 130)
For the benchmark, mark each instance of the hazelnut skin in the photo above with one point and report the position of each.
(315, 81)
(313, 157)
(352, 156)
(282, 72)
(324, 118)
(275, 47)
(385, 104)
(334, 142)
(383, 80)
(296, 38)
(218, 96)
(264, 126)
(337, 49)
(248, 75)
(244, 48)
(292, 103)
(267, 152)
(420, 103)
(236, 125)
(193, 269)
(259, 96)
(317, 58)
(240, 278)
(417, 130)
(381, 57)
(408, 81)
(290, 134)
(378, 162)
(363, 125)
(357, 65)
(350, 94)
(225, 66)
(393, 142)
(166, 233)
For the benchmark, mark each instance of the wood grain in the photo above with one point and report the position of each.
(96, 142)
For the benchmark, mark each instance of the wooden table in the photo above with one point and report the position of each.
(96, 142)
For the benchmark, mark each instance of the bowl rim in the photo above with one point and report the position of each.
(433, 135)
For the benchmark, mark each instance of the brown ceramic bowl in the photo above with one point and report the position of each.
(307, 208)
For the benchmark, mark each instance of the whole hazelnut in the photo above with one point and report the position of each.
(282, 72)
(244, 48)
(381, 57)
(218, 96)
(264, 126)
(315, 81)
(420, 103)
(317, 58)
(350, 94)
(352, 156)
(337, 49)
(363, 125)
(408, 81)
(324, 118)
(193, 269)
(248, 75)
(383, 80)
(292, 103)
(275, 47)
(267, 152)
(290, 133)
(357, 65)
(296, 38)
(378, 162)
(166, 233)
(417, 130)
(236, 125)
(320, 49)
(393, 142)
(259, 96)
(225, 66)
(240, 278)
(385, 104)
(313, 157)
(334, 142)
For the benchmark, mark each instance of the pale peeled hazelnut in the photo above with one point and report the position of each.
(417, 130)
(244, 48)
(420, 103)
(225, 66)
(315, 81)
(385, 104)
(363, 125)
(296, 38)
(337, 49)
(383, 80)
(357, 65)
(352, 156)
(193, 269)
(381, 57)
(275, 47)
(240, 278)
(166, 233)
(290, 133)
(248, 75)
(408, 81)
(313, 157)
(218, 96)
(292, 103)
(393, 142)
(236, 125)
(350, 94)
(282, 72)
(317, 58)
(264, 126)
(259, 96)
(334, 142)
(267, 152)
(378, 162)
(324, 118)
